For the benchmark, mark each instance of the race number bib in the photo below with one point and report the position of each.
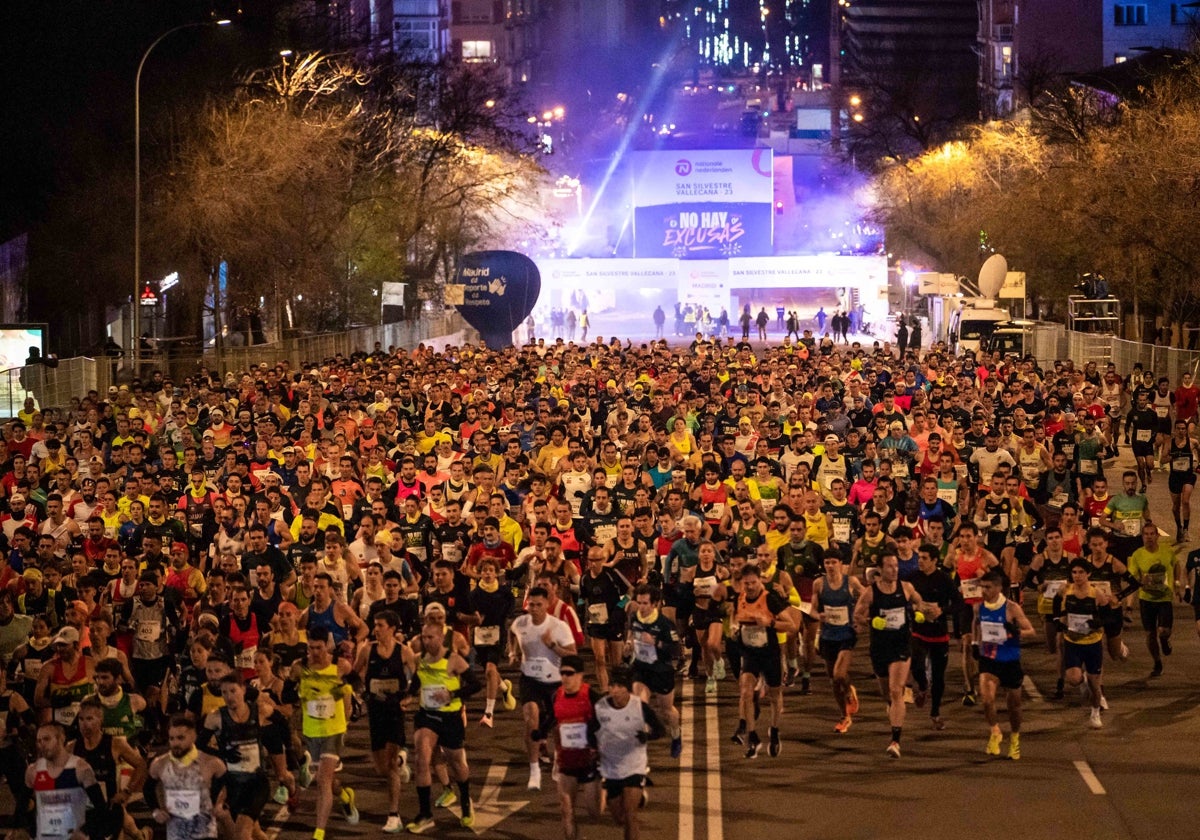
(245, 659)
(999, 522)
(320, 708)
(992, 633)
(149, 631)
(894, 618)
(1053, 588)
(573, 736)
(597, 613)
(837, 616)
(702, 587)
(949, 495)
(55, 819)
(1144, 435)
(1103, 587)
(1087, 466)
(1162, 411)
(841, 530)
(900, 468)
(715, 511)
(1181, 464)
(487, 635)
(66, 714)
(434, 697)
(1080, 625)
(754, 635)
(383, 687)
(970, 589)
(1131, 527)
(32, 668)
(250, 761)
(183, 804)
(645, 652)
(537, 667)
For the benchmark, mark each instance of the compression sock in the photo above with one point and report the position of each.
(896, 734)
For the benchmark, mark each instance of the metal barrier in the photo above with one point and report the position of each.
(1171, 362)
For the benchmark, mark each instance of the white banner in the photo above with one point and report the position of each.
(722, 176)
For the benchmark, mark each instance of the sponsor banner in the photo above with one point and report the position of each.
(703, 231)
(494, 292)
(704, 283)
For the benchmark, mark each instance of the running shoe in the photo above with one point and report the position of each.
(719, 670)
(894, 749)
(1103, 703)
(394, 825)
(938, 723)
(350, 806)
(843, 725)
(710, 686)
(969, 698)
(1124, 651)
(509, 700)
(1156, 671)
(1165, 643)
(739, 736)
(467, 820)
(753, 746)
(405, 770)
(1014, 746)
(993, 744)
(789, 678)
(852, 702)
(281, 794)
(535, 778)
(805, 687)
(446, 799)
(304, 776)
(1094, 721)
(420, 825)
(486, 720)
(676, 747)
(774, 745)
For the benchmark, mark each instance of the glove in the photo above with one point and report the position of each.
(1012, 629)
(878, 622)
(919, 617)
(1095, 623)
(643, 736)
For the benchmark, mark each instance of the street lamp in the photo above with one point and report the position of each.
(137, 182)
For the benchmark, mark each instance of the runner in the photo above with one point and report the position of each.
(704, 581)
(489, 607)
(540, 641)
(623, 724)
(1049, 572)
(602, 591)
(63, 785)
(1000, 626)
(182, 781)
(443, 680)
(1077, 609)
(762, 616)
(236, 730)
(654, 646)
(931, 638)
(106, 754)
(833, 600)
(576, 764)
(1159, 573)
(885, 609)
(1181, 479)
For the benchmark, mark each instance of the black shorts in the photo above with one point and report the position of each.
(1114, 624)
(386, 724)
(613, 631)
(964, 619)
(1142, 450)
(246, 794)
(149, 673)
(1157, 614)
(830, 648)
(658, 680)
(541, 693)
(763, 662)
(581, 775)
(276, 735)
(1008, 673)
(886, 651)
(615, 787)
(450, 728)
(489, 654)
(702, 619)
(1089, 657)
(1177, 481)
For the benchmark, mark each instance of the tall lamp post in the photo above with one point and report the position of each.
(137, 184)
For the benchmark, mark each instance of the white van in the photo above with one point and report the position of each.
(972, 322)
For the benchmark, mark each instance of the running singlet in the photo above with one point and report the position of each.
(994, 640)
(838, 608)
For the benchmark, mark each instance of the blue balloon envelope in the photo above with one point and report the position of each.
(498, 289)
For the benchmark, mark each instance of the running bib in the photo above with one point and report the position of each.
(1131, 527)
(1144, 435)
(321, 708)
(768, 505)
(66, 714)
(754, 635)
(949, 495)
(1058, 499)
(837, 616)
(970, 589)
(382, 688)
(573, 736)
(715, 511)
(149, 631)
(245, 659)
(1080, 625)
(1030, 473)
(1053, 587)
(894, 618)
(538, 667)
(1087, 466)
(597, 613)
(184, 804)
(806, 607)
(487, 635)
(900, 468)
(1001, 523)
(961, 469)
(841, 530)
(433, 697)
(992, 633)
(1181, 464)
(1162, 411)
(1103, 587)
(702, 587)
(250, 760)
(32, 668)
(347, 512)
(55, 819)
(645, 652)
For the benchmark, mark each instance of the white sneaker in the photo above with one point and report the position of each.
(535, 778)
(1103, 703)
(1095, 721)
(394, 825)
(719, 669)
(1124, 651)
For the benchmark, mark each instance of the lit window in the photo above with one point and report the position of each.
(477, 50)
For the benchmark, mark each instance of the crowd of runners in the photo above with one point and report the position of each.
(206, 582)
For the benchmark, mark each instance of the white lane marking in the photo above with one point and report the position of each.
(489, 810)
(687, 821)
(1031, 689)
(1089, 778)
(712, 768)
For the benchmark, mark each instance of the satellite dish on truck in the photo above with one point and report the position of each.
(991, 276)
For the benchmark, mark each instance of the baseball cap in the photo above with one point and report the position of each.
(896, 424)
(67, 636)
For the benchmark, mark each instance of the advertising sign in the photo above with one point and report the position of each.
(494, 292)
(703, 204)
